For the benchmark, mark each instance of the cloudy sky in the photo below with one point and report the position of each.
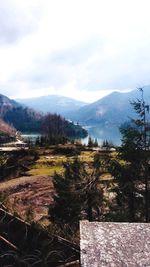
(83, 49)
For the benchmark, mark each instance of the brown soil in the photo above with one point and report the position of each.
(28, 196)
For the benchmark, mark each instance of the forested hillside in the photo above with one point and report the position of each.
(7, 132)
(28, 120)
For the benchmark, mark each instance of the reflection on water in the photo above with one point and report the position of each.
(31, 137)
(101, 133)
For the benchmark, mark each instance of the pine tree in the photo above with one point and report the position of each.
(90, 142)
(67, 200)
(132, 174)
(95, 143)
(79, 194)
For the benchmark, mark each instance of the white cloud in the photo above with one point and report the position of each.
(79, 48)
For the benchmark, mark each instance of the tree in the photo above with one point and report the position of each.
(79, 194)
(90, 142)
(54, 129)
(132, 173)
(95, 143)
(143, 125)
(67, 200)
(57, 130)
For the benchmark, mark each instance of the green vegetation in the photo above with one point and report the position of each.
(92, 143)
(82, 183)
(79, 194)
(55, 129)
(23, 119)
(133, 177)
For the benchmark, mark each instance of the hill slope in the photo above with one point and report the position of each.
(113, 109)
(53, 104)
(26, 119)
(22, 118)
(6, 104)
(7, 132)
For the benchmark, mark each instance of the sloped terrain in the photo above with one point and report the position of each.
(23, 244)
(28, 194)
(53, 104)
(113, 109)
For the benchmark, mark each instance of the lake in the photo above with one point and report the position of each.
(109, 133)
(31, 136)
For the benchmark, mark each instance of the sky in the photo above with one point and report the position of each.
(84, 49)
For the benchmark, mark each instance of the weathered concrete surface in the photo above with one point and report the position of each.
(114, 244)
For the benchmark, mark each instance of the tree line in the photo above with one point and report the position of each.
(82, 193)
(53, 127)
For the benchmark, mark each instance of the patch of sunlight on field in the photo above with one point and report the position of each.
(48, 165)
(87, 156)
(50, 160)
(42, 170)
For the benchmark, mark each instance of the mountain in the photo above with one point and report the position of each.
(26, 119)
(111, 110)
(7, 132)
(6, 104)
(53, 104)
(22, 118)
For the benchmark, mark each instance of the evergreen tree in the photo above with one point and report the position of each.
(90, 142)
(95, 143)
(67, 200)
(79, 194)
(132, 174)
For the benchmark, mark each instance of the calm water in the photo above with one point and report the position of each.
(31, 136)
(109, 133)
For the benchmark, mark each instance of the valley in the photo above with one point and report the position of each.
(74, 133)
(101, 118)
(48, 185)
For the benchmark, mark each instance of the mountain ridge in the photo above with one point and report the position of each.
(28, 120)
(113, 109)
(53, 104)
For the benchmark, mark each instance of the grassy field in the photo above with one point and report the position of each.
(31, 194)
(48, 165)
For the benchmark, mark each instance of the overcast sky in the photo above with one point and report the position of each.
(83, 49)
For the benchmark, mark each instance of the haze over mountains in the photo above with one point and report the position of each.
(103, 117)
(53, 103)
(113, 109)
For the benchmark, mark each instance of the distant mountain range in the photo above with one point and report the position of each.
(53, 104)
(110, 111)
(113, 109)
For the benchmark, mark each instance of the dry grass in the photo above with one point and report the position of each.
(48, 165)
(33, 193)
(24, 193)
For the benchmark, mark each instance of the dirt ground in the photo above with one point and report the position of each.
(28, 196)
